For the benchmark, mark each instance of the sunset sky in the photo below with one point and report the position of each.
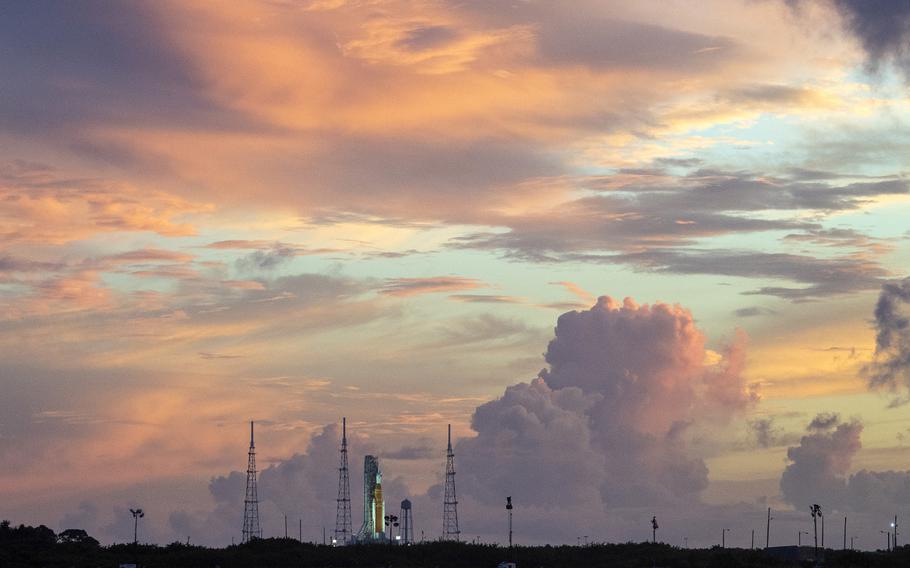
(631, 251)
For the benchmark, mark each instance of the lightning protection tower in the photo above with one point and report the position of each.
(251, 528)
(450, 504)
(343, 524)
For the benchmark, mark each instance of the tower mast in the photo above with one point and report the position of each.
(251, 527)
(343, 526)
(450, 505)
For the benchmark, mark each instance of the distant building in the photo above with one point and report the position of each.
(794, 553)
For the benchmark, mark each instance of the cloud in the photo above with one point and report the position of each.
(486, 299)
(44, 206)
(753, 311)
(605, 43)
(85, 516)
(148, 255)
(824, 421)
(424, 449)
(405, 287)
(882, 26)
(611, 416)
(577, 291)
(215, 356)
(663, 223)
(890, 367)
(820, 463)
(528, 439)
(266, 260)
(768, 435)
(819, 472)
(822, 276)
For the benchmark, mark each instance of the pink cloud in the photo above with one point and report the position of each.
(405, 287)
(612, 413)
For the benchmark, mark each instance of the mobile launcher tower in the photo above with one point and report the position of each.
(373, 526)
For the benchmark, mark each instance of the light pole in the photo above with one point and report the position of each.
(137, 514)
(509, 509)
(723, 538)
(816, 512)
(391, 521)
(823, 528)
(852, 538)
(888, 545)
(799, 537)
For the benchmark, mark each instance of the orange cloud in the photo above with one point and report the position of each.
(42, 206)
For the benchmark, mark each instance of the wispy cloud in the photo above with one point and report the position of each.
(404, 287)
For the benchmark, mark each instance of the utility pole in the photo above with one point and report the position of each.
(768, 529)
(894, 540)
(285, 526)
(300, 530)
(845, 534)
(654, 529)
(753, 540)
(723, 538)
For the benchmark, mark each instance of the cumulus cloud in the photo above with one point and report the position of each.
(819, 471)
(890, 367)
(820, 463)
(610, 418)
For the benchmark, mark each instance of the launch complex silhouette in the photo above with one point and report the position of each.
(376, 521)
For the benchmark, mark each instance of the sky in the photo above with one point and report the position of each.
(647, 258)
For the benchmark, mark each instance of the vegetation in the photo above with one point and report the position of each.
(24, 546)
